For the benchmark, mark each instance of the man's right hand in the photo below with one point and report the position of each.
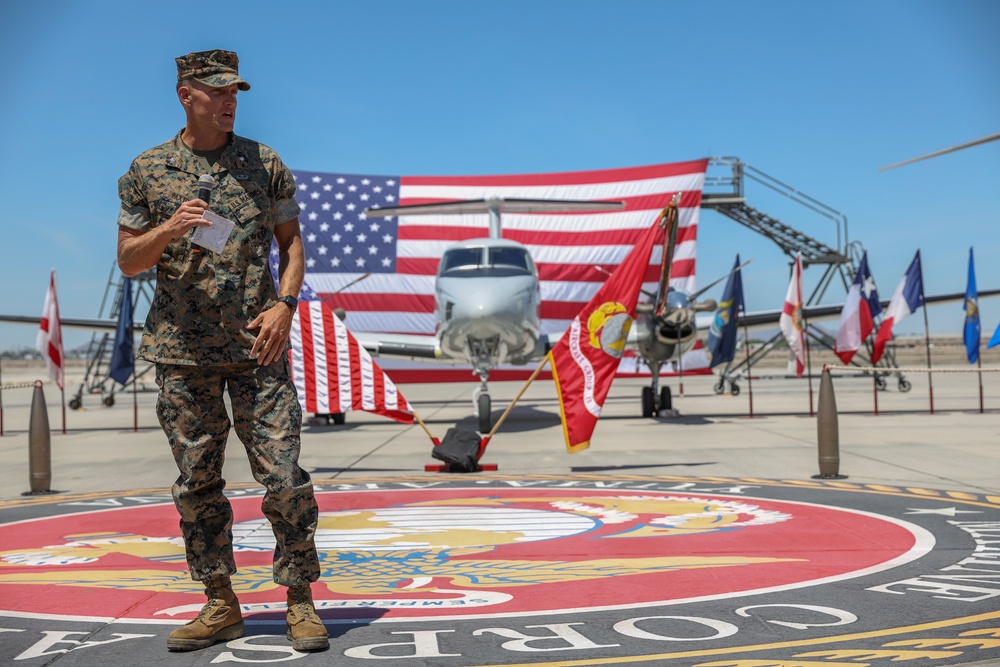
(188, 215)
(141, 250)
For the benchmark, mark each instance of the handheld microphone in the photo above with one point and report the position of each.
(205, 186)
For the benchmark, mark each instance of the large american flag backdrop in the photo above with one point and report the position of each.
(402, 253)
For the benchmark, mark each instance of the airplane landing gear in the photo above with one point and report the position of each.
(720, 387)
(666, 402)
(481, 402)
(648, 402)
(327, 418)
(651, 406)
(654, 397)
(483, 408)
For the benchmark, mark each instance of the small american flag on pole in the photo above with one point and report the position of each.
(333, 373)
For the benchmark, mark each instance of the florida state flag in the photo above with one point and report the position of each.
(49, 338)
(586, 357)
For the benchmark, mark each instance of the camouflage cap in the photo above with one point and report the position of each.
(213, 68)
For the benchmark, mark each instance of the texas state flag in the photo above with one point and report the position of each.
(857, 317)
(909, 296)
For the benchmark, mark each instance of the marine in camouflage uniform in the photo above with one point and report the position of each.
(216, 323)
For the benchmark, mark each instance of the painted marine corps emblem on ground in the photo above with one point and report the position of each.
(533, 570)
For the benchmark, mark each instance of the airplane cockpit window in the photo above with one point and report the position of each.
(500, 261)
(510, 257)
(461, 258)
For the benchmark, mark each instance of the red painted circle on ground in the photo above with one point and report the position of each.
(462, 550)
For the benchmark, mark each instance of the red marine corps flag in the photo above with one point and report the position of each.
(333, 373)
(586, 357)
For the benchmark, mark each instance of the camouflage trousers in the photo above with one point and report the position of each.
(267, 419)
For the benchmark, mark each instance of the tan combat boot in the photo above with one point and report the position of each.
(305, 628)
(218, 621)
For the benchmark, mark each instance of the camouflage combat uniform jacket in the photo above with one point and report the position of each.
(204, 300)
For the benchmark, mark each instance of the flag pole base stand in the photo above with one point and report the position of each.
(445, 467)
(46, 492)
(460, 450)
(829, 476)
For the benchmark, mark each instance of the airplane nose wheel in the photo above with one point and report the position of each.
(483, 408)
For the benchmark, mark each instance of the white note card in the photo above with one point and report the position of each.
(214, 238)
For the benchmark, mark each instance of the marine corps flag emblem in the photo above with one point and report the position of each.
(585, 359)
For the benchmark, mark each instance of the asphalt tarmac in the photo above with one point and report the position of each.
(702, 538)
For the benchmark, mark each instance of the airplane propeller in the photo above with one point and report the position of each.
(968, 144)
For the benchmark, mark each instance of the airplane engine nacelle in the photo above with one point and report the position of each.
(676, 328)
(665, 338)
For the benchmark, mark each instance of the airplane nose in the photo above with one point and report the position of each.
(478, 305)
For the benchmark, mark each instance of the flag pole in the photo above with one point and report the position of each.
(746, 348)
(875, 388)
(680, 373)
(979, 365)
(510, 407)
(1, 395)
(666, 220)
(927, 338)
(62, 391)
(424, 426)
(135, 402)
(809, 371)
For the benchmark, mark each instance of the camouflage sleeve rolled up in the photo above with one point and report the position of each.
(134, 212)
(283, 184)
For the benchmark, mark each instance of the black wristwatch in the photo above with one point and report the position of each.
(289, 301)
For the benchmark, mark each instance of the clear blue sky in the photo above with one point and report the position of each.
(816, 94)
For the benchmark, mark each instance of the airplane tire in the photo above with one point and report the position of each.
(75, 404)
(648, 407)
(483, 404)
(666, 402)
(904, 385)
(339, 418)
(734, 389)
(109, 401)
(720, 386)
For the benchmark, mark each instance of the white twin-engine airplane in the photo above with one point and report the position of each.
(487, 300)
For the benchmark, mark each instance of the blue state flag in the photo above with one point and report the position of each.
(122, 359)
(722, 334)
(972, 325)
(995, 340)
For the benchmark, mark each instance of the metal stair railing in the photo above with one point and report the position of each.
(726, 194)
(96, 379)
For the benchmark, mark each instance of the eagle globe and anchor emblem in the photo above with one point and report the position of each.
(445, 554)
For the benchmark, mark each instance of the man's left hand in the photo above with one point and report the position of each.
(274, 325)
